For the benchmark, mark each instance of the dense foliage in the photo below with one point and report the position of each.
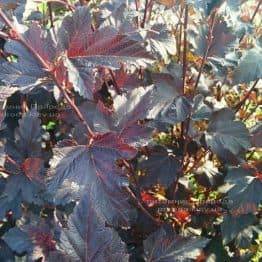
(130, 130)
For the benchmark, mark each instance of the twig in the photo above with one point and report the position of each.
(50, 14)
(242, 102)
(49, 69)
(209, 43)
(179, 27)
(185, 48)
(184, 56)
(252, 18)
(118, 90)
(150, 8)
(137, 3)
(141, 207)
(255, 12)
(145, 14)
(185, 125)
(12, 161)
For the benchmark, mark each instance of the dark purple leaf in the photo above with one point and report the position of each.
(18, 241)
(176, 112)
(24, 182)
(222, 40)
(87, 237)
(6, 253)
(34, 239)
(233, 225)
(89, 49)
(256, 134)
(27, 73)
(138, 104)
(161, 166)
(161, 41)
(224, 133)
(27, 142)
(23, 10)
(127, 81)
(10, 203)
(163, 246)
(201, 109)
(94, 166)
(242, 187)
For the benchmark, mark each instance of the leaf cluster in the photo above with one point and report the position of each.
(130, 130)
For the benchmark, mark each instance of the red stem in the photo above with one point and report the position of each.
(50, 14)
(209, 43)
(137, 8)
(145, 14)
(185, 48)
(256, 10)
(252, 18)
(184, 57)
(242, 102)
(186, 125)
(141, 207)
(150, 8)
(118, 90)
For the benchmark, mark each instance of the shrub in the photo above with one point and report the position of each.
(130, 130)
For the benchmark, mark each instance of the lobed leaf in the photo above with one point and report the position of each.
(138, 104)
(164, 246)
(225, 134)
(35, 239)
(160, 166)
(24, 183)
(176, 112)
(94, 166)
(18, 241)
(242, 190)
(87, 238)
(27, 72)
(222, 40)
(233, 225)
(91, 48)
